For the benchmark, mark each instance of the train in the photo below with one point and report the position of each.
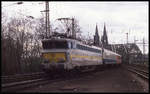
(63, 54)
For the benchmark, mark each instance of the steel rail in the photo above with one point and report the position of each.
(22, 75)
(138, 69)
(15, 86)
(138, 72)
(140, 65)
(19, 83)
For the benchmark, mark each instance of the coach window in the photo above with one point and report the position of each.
(69, 45)
(74, 45)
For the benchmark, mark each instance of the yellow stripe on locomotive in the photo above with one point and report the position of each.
(55, 57)
(87, 57)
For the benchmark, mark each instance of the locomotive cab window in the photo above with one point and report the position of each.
(55, 45)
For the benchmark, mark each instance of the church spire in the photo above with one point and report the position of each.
(96, 37)
(104, 37)
(105, 30)
(96, 30)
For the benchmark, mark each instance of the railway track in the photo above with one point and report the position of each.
(15, 82)
(23, 74)
(21, 77)
(21, 85)
(141, 66)
(15, 86)
(138, 71)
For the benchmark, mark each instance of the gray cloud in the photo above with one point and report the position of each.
(118, 16)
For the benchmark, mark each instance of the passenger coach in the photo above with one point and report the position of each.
(111, 58)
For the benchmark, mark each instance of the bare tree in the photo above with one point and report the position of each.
(40, 28)
(19, 45)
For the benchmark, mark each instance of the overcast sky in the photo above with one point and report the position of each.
(120, 17)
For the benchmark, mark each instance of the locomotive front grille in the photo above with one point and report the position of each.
(57, 57)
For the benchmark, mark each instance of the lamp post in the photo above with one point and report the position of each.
(127, 38)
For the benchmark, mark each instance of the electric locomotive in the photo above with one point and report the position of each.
(68, 54)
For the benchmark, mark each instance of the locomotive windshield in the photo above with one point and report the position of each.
(54, 44)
